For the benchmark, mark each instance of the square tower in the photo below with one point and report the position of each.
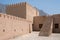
(23, 10)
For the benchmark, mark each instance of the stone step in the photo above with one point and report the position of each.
(46, 29)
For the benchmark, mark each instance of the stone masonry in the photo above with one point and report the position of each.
(11, 26)
(23, 10)
(46, 29)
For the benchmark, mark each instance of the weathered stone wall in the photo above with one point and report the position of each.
(17, 10)
(41, 19)
(38, 20)
(23, 10)
(31, 12)
(56, 20)
(11, 26)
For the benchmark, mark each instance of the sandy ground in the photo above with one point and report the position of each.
(34, 36)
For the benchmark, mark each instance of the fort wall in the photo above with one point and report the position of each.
(38, 22)
(23, 10)
(17, 10)
(11, 26)
(31, 12)
(56, 23)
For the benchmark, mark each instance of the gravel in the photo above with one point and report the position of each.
(34, 36)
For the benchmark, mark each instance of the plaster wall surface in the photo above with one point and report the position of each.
(31, 12)
(41, 19)
(11, 26)
(56, 21)
(38, 20)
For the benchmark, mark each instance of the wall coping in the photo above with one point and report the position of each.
(12, 17)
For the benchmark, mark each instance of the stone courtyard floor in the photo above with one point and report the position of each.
(34, 36)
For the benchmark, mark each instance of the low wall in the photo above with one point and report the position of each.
(11, 26)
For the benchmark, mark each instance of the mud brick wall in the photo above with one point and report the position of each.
(11, 26)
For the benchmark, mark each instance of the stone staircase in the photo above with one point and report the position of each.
(46, 29)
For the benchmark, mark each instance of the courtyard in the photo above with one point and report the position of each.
(34, 36)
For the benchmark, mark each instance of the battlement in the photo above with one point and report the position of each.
(21, 3)
(6, 16)
(22, 10)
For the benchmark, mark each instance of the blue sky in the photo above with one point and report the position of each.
(48, 6)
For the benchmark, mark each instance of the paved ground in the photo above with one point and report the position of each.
(34, 36)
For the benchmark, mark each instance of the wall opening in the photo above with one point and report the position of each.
(33, 27)
(15, 30)
(3, 30)
(7, 16)
(0, 15)
(29, 29)
(56, 26)
(40, 26)
(11, 17)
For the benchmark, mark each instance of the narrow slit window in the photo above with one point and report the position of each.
(3, 30)
(32, 24)
(14, 29)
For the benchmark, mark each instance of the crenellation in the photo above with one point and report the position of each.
(12, 17)
(23, 10)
